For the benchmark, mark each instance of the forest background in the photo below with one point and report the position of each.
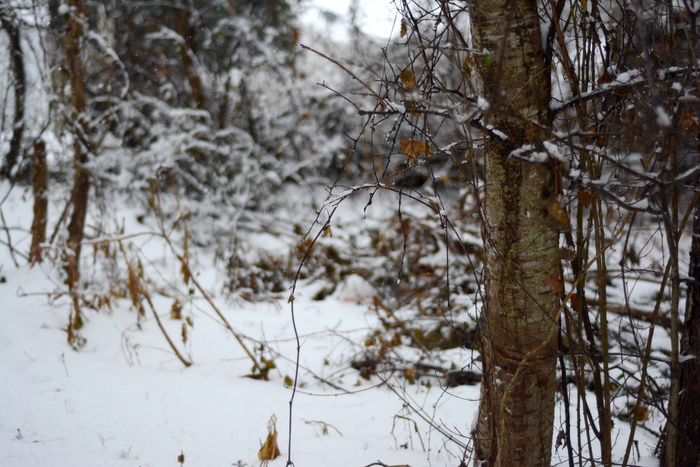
(220, 221)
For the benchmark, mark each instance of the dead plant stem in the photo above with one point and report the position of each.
(147, 296)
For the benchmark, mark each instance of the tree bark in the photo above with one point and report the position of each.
(687, 442)
(521, 235)
(81, 147)
(41, 202)
(182, 27)
(9, 23)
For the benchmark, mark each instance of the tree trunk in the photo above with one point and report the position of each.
(182, 27)
(521, 235)
(81, 148)
(41, 202)
(9, 23)
(687, 448)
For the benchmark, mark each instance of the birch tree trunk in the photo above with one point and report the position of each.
(521, 234)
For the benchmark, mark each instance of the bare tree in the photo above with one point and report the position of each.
(72, 42)
(41, 201)
(687, 442)
(10, 25)
(521, 237)
(183, 27)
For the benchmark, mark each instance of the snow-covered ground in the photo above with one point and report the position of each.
(124, 399)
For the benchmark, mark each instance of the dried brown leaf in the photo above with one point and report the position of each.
(689, 121)
(585, 198)
(408, 79)
(415, 148)
(556, 283)
(176, 310)
(184, 333)
(270, 450)
(556, 210)
(566, 254)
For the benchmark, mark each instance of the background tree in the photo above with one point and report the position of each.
(72, 40)
(10, 25)
(200, 99)
(687, 449)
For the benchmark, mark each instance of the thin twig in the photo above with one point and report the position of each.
(147, 296)
(9, 239)
(353, 75)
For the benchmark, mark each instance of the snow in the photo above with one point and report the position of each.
(63, 9)
(125, 400)
(555, 152)
(355, 289)
(375, 17)
(662, 117)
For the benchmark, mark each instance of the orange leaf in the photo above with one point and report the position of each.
(556, 283)
(689, 121)
(404, 27)
(604, 79)
(574, 301)
(408, 78)
(413, 108)
(556, 210)
(585, 198)
(468, 65)
(415, 148)
(641, 413)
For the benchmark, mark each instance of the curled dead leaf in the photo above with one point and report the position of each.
(176, 310)
(556, 210)
(566, 254)
(585, 198)
(270, 450)
(556, 283)
(408, 79)
(414, 148)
